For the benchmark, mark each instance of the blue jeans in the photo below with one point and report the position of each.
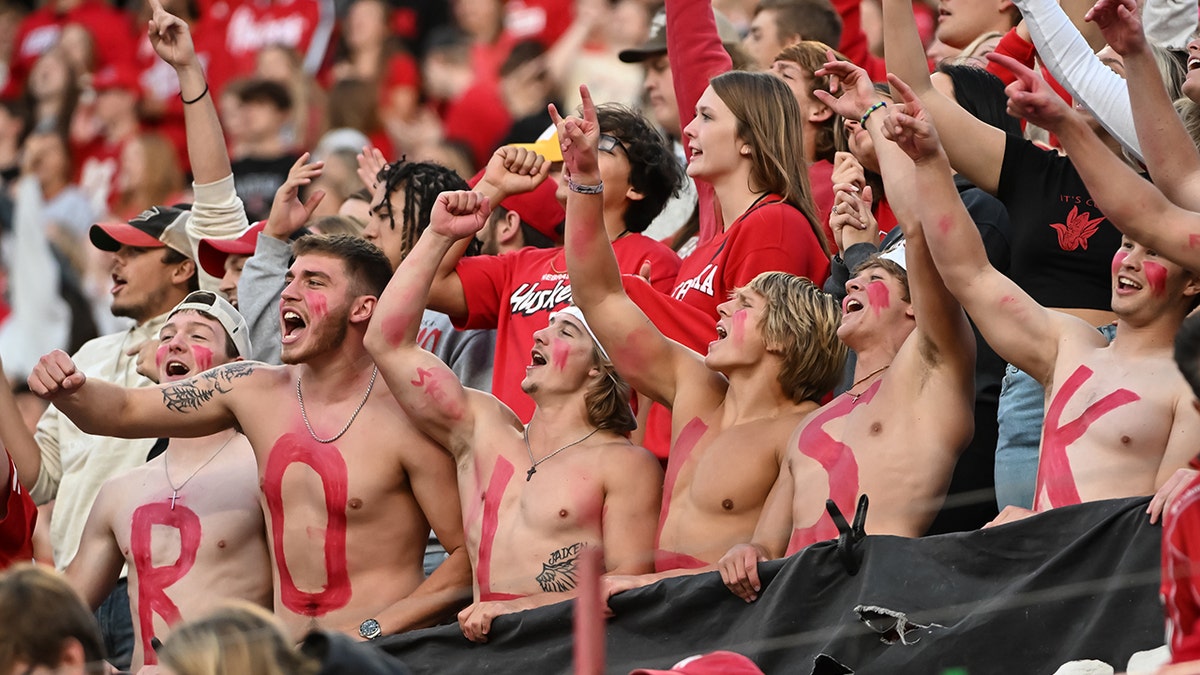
(116, 626)
(1021, 412)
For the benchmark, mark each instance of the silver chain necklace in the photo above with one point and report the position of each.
(167, 470)
(304, 414)
(533, 469)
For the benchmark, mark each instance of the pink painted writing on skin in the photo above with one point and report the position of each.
(879, 295)
(502, 473)
(1156, 276)
(153, 581)
(1055, 480)
(841, 468)
(327, 462)
(438, 388)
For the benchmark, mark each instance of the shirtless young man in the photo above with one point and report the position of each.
(187, 523)
(897, 432)
(1119, 417)
(733, 410)
(584, 483)
(350, 488)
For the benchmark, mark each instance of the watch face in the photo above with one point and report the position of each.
(369, 629)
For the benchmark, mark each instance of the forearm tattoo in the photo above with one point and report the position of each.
(194, 392)
(558, 573)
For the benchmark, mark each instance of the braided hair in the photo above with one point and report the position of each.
(422, 182)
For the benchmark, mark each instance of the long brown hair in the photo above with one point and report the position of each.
(769, 122)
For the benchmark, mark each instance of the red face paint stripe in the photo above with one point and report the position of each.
(501, 474)
(841, 468)
(688, 437)
(329, 465)
(879, 295)
(1055, 481)
(154, 581)
(1156, 276)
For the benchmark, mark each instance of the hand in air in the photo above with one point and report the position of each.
(579, 138)
(146, 352)
(1030, 97)
(739, 570)
(851, 219)
(1120, 22)
(170, 37)
(1170, 490)
(288, 213)
(459, 214)
(513, 171)
(370, 162)
(54, 375)
(908, 124)
(858, 92)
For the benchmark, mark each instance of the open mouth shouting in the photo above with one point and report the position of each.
(1127, 285)
(851, 305)
(293, 325)
(118, 284)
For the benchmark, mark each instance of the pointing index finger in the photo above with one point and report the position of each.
(1014, 66)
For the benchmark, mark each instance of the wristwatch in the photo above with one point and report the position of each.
(369, 629)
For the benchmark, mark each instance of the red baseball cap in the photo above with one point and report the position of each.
(155, 227)
(214, 252)
(117, 77)
(715, 663)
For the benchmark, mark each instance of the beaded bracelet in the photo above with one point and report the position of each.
(585, 189)
(862, 121)
(187, 102)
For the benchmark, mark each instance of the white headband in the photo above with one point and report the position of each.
(574, 311)
(896, 253)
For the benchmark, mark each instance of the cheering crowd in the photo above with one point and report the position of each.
(463, 294)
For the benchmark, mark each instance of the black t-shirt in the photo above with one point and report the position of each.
(1062, 245)
(256, 180)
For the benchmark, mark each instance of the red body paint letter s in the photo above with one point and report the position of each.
(153, 581)
(328, 463)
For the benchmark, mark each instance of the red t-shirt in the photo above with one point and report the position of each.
(1180, 584)
(16, 528)
(516, 292)
(820, 180)
(478, 118)
(304, 25)
(112, 33)
(770, 236)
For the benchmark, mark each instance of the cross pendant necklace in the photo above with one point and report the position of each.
(854, 397)
(174, 497)
(534, 463)
(167, 470)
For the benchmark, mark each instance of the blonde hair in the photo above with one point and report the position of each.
(800, 324)
(607, 400)
(238, 638)
(810, 56)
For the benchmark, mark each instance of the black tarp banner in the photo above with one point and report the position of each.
(1078, 582)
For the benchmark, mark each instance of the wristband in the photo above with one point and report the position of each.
(203, 93)
(585, 189)
(862, 121)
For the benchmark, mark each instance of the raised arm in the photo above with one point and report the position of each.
(1167, 149)
(1023, 332)
(975, 148)
(510, 171)
(16, 437)
(1134, 206)
(197, 406)
(641, 353)
(1071, 60)
(425, 387)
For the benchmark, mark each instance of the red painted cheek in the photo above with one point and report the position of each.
(879, 295)
(1156, 275)
(1118, 260)
(160, 355)
(316, 305)
(739, 327)
(203, 356)
(559, 351)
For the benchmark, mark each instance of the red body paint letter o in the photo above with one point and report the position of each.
(327, 462)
